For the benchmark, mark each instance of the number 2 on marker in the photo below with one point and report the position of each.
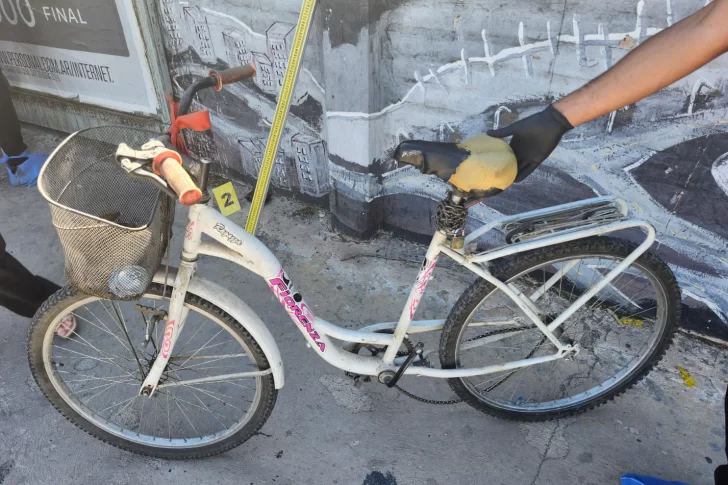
(227, 200)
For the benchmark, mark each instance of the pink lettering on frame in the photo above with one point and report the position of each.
(293, 303)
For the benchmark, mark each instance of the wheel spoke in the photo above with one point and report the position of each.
(77, 338)
(106, 360)
(91, 378)
(205, 346)
(176, 401)
(105, 329)
(214, 396)
(117, 404)
(184, 345)
(126, 332)
(609, 349)
(203, 407)
(214, 415)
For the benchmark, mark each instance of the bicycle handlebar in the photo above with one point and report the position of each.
(216, 79)
(233, 75)
(186, 100)
(169, 165)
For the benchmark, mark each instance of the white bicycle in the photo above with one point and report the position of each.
(168, 364)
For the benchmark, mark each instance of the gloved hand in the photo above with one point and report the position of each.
(534, 138)
(24, 169)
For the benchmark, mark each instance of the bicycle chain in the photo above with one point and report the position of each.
(424, 400)
(408, 344)
(455, 401)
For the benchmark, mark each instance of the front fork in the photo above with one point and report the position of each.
(177, 314)
(175, 323)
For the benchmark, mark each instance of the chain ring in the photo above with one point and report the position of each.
(377, 349)
(410, 348)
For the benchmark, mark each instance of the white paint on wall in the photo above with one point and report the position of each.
(601, 39)
(699, 84)
(437, 80)
(719, 170)
(236, 21)
(526, 58)
(441, 98)
(466, 66)
(496, 117)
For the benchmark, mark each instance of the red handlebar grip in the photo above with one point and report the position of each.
(162, 157)
(233, 75)
(179, 180)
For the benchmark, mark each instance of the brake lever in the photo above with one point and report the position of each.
(136, 170)
(137, 163)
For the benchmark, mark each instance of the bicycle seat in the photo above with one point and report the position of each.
(481, 166)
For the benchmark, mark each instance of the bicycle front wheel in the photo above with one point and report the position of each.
(93, 377)
(622, 331)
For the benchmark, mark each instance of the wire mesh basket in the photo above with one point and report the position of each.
(114, 229)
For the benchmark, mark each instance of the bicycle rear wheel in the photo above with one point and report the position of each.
(622, 331)
(94, 377)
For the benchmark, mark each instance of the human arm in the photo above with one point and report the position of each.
(660, 61)
(653, 65)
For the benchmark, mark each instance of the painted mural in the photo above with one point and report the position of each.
(377, 73)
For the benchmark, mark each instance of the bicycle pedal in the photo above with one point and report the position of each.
(357, 378)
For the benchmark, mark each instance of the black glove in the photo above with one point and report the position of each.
(534, 138)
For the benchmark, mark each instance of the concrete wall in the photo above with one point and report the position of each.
(377, 72)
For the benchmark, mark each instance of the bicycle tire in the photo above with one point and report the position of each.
(64, 298)
(509, 268)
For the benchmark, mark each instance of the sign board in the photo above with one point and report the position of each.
(89, 50)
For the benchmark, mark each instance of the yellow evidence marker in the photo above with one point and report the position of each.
(227, 199)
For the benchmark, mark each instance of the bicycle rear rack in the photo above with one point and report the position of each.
(591, 215)
(557, 220)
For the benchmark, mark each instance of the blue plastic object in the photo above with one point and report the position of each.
(632, 479)
(27, 172)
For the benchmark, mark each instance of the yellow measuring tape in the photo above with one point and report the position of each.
(284, 104)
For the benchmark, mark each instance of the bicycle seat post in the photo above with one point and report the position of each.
(451, 217)
(456, 199)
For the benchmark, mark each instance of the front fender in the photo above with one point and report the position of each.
(240, 311)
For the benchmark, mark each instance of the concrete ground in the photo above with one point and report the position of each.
(324, 430)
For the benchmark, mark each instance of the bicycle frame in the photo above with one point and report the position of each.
(233, 243)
